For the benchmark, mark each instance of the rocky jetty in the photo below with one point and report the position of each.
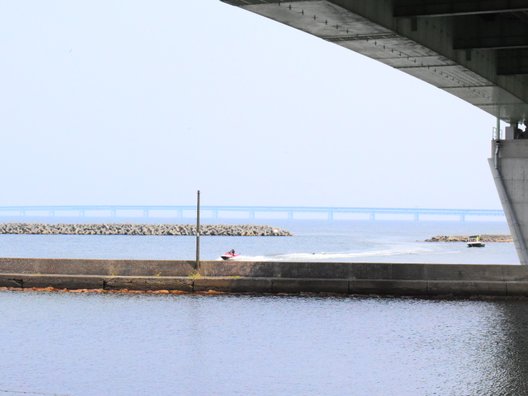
(464, 238)
(141, 229)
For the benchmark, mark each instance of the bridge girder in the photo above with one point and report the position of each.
(511, 62)
(437, 8)
(499, 32)
(500, 25)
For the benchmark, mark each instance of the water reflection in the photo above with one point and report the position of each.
(140, 344)
(510, 376)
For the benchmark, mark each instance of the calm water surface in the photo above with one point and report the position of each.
(82, 344)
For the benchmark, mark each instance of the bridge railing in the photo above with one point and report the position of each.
(245, 212)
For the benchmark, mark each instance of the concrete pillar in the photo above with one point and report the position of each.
(509, 166)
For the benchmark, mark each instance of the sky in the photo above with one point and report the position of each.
(143, 103)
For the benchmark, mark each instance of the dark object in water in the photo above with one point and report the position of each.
(229, 255)
(474, 241)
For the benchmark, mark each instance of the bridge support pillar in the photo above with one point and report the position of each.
(509, 166)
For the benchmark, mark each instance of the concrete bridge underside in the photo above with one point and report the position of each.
(476, 50)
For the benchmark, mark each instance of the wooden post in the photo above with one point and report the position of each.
(198, 230)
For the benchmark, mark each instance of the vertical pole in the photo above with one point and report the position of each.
(198, 230)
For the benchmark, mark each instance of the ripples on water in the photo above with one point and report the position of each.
(89, 344)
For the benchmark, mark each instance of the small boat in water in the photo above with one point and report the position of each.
(229, 255)
(474, 241)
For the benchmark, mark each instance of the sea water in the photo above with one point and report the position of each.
(93, 344)
(338, 241)
(120, 344)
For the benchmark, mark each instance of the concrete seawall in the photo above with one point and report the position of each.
(267, 277)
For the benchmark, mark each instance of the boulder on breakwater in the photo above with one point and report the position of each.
(464, 238)
(141, 229)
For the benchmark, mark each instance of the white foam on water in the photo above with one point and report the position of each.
(326, 256)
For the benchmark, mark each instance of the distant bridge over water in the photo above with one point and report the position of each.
(216, 213)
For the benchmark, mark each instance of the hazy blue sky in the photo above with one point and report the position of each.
(136, 102)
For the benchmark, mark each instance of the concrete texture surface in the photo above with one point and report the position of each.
(267, 277)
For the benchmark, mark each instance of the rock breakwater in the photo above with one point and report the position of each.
(141, 229)
(464, 238)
